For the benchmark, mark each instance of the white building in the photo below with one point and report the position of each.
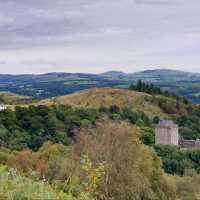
(2, 107)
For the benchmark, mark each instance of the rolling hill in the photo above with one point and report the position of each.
(56, 84)
(98, 97)
(106, 97)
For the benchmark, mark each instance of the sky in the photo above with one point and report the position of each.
(39, 36)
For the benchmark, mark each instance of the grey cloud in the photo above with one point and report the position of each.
(44, 62)
(157, 2)
(99, 33)
(2, 62)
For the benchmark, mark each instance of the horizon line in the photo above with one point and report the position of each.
(93, 73)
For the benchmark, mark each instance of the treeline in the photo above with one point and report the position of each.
(145, 87)
(30, 127)
(141, 86)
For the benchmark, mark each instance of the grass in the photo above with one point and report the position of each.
(16, 187)
(14, 99)
(97, 97)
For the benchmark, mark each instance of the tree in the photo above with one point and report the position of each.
(131, 170)
(156, 120)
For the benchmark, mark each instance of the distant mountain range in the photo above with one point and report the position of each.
(56, 84)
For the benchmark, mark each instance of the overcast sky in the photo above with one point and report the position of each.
(38, 36)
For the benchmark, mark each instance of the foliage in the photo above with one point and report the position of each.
(147, 136)
(14, 186)
(131, 170)
(188, 187)
(176, 161)
(172, 158)
(144, 87)
(190, 124)
(30, 127)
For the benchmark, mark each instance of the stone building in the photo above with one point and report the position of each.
(166, 132)
(189, 144)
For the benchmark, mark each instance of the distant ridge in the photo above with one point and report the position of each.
(167, 71)
(113, 74)
(60, 83)
(106, 73)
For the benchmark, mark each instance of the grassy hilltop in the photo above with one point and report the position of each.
(14, 99)
(99, 97)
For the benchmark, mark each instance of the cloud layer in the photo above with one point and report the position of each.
(39, 36)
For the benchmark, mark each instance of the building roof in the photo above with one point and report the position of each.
(187, 144)
(167, 124)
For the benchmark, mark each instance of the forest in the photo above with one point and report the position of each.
(30, 127)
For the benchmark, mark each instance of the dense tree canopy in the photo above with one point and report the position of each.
(30, 127)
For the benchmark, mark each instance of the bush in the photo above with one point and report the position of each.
(16, 187)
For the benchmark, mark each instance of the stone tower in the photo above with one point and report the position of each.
(166, 132)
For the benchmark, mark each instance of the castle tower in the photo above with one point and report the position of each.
(166, 132)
